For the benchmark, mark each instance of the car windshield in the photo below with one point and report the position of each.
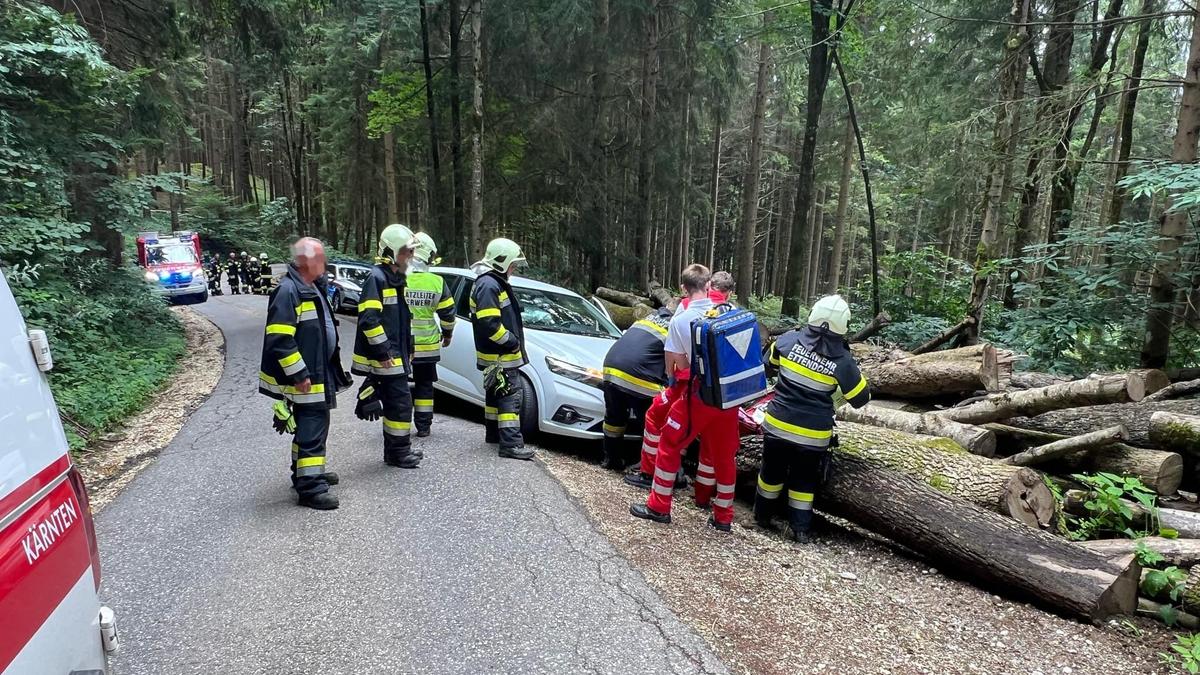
(170, 254)
(355, 275)
(563, 313)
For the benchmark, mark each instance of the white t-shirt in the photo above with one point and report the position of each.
(679, 333)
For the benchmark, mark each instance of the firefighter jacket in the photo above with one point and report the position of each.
(432, 309)
(813, 366)
(496, 323)
(635, 362)
(296, 346)
(384, 325)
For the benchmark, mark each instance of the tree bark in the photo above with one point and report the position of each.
(458, 180)
(623, 317)
(1176, 390)
(1178, 552)
(475, 218)
(1135, 417)
(876, 324)
(750, 185)
(1068, 446)
(833, 274)
(977, 440)
(1176, 432)
(714, 193)
(661, 296)
(1160, 471)
(1129, 100)
(993, 551)
(389, 174)
(1174, 227)
(932, 379)
(818, 79)
(620, 297)
(436, 199)
(1095, 390)
(1013, 491)
(646, 140)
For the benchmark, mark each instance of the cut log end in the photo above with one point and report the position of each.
(1029, 500)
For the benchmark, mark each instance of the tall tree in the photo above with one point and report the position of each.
(647, 140)
(457, 178)
(1173, 229)
(437, 203)
(475, 220)
(843, 204)
(1128, 105)
(750, 186)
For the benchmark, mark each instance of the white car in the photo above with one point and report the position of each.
(566, 337)
(51, 618)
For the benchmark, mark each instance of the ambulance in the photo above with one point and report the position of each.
(51, 619)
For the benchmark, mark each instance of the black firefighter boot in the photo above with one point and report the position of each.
(322, 501)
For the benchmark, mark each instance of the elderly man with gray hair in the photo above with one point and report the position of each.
(301, 367)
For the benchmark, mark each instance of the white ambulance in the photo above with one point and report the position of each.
(51, 619)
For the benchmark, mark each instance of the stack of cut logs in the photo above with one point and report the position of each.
(969, 465)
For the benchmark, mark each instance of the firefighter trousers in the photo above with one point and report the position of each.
(791, 466)
(687, 418)
(619, 406)
(397, 417)
(424, 375)
(308, 449)
(502, 414)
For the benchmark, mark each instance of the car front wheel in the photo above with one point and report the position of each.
(529, 409)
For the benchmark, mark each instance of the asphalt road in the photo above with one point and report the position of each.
(470, 564)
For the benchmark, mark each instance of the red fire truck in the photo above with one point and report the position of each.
(172, 264)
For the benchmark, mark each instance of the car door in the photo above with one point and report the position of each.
(457, 373)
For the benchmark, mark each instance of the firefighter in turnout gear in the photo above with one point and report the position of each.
(249, 272)
(383, 344)
(263, 282)
(301, 367)
(634, 374)
(815, 366)
(233, 272)
(212, 269)
(500, 346)
(432, 309)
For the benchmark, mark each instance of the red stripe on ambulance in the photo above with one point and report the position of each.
(42, 555)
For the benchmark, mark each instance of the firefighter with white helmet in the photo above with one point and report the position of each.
(500, 346)
(814, 364)
(383, 343)
(263, 282)
(432, 308)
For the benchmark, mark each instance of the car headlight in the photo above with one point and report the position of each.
(588, 376)
(151, 276)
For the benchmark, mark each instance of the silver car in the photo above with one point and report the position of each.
(566, 337)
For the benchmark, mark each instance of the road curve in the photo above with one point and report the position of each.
(470, 564)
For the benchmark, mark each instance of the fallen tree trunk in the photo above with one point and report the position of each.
(1177, 390)
(994, 551)
(1135, 417)
(1094, 390)
(623, 316)
(945, 336)
(1075, 444)
(1155, 610)
(1177, 552)
(621, 297)
(1186, 523)
(929, 379)
(977, 440)
(877, 323)
(1175, 431)
(661, 296)
(1035, 380)
(1013, 491)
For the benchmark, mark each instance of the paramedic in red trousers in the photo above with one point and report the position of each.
(814, 364)
(634, 374)
(500, 346)
(301, 365)
(383, 343)
(687, 418)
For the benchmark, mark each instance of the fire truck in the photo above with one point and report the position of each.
(172, 264)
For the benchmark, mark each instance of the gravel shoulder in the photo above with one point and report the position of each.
(111, 462)
(846, 604)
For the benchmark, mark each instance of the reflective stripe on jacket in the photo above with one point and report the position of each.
(496, 323)
(384, 325)
(635, 361)
(802, 410)
(294, 347)
(432, 309)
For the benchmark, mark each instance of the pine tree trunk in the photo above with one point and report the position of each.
(750, 185)
(1129, 98)
(389, 173)
(839, 224)
(436, 199)
(456, 160)
(714, 192)
(475, 220)
(646, 141)
(1174, 225)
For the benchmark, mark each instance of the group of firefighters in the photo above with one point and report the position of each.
(245, 273)
(406, 316)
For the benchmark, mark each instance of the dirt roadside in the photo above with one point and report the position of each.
(110, 463)
(845, 604)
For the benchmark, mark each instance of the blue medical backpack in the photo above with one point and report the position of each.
(727, 357)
